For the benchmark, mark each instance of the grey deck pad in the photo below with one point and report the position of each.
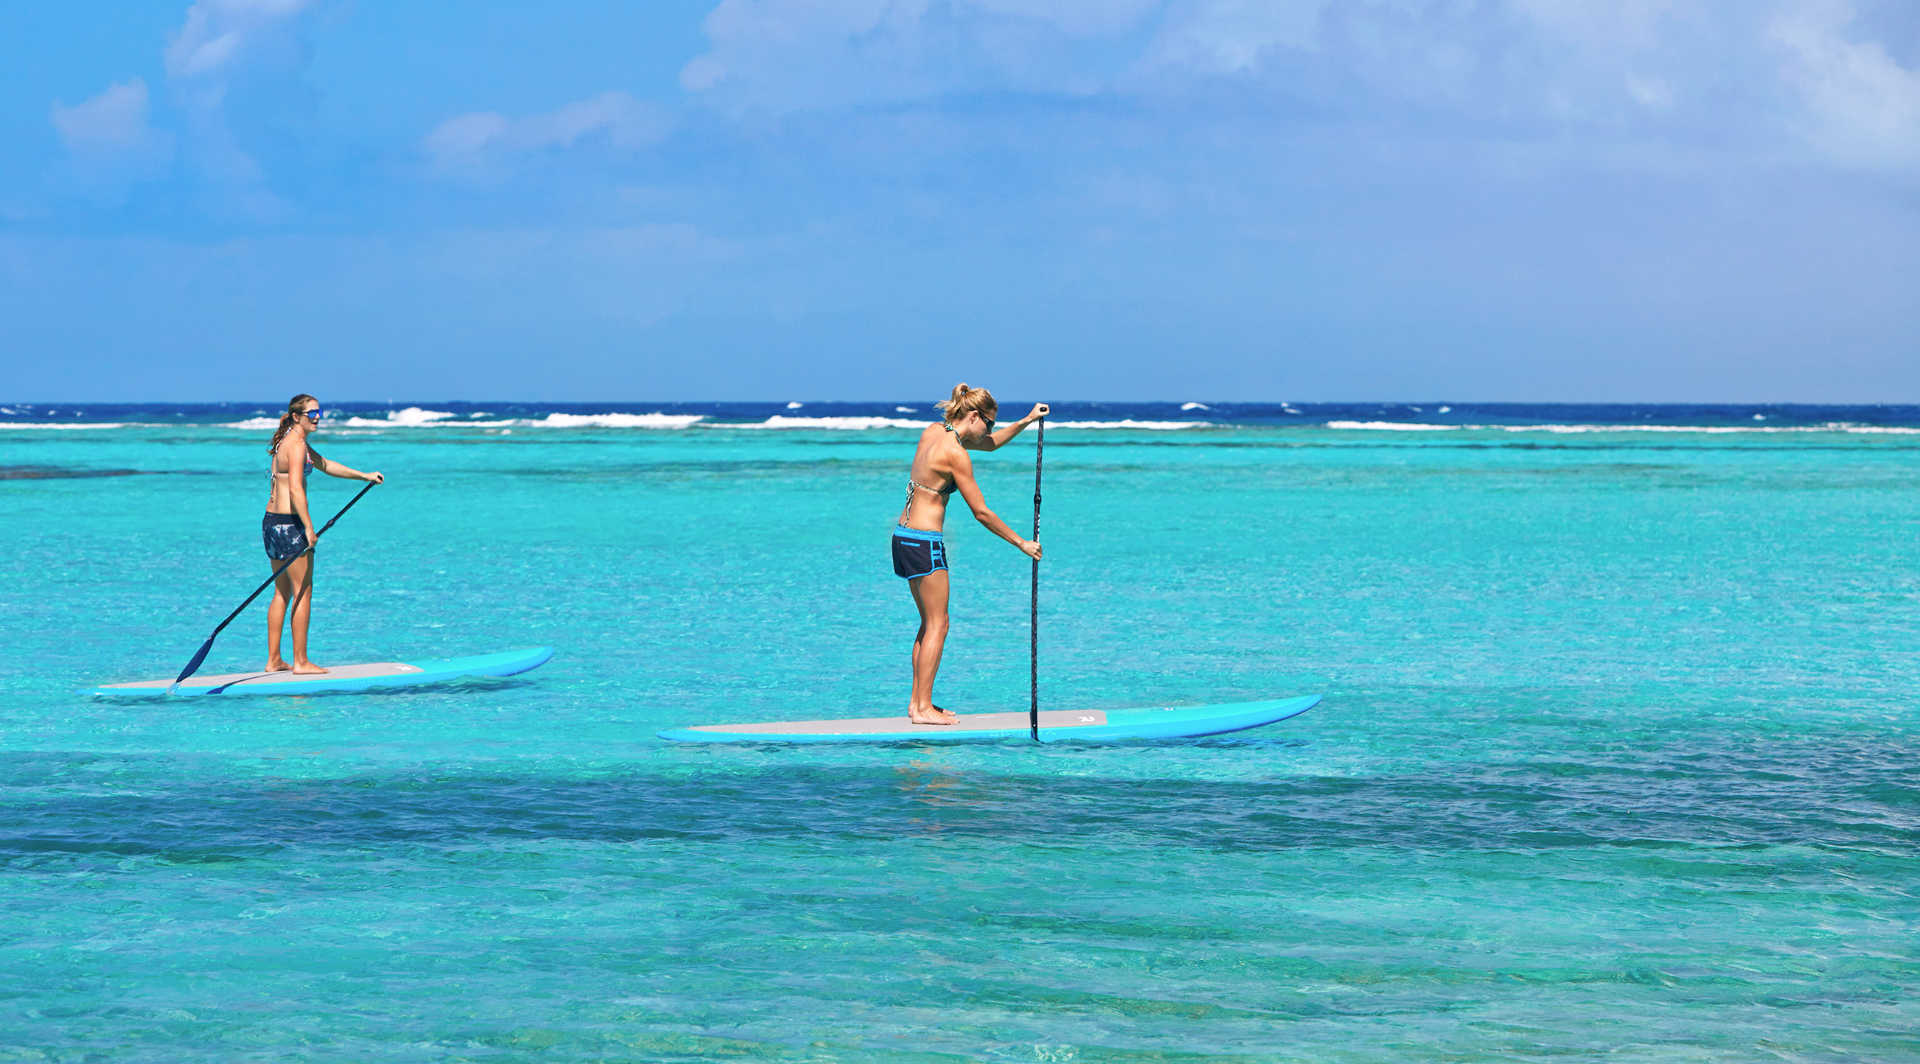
(268, 679)
(1053, 718)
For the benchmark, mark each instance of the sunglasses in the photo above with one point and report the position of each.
(315, 414)
(988, 421)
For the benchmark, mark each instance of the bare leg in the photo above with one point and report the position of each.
(302, 603)
(930, 596)
(277, 617)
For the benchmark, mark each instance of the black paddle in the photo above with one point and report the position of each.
(1033, 713)
(194, 665)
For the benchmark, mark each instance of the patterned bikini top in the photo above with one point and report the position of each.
(914, 485)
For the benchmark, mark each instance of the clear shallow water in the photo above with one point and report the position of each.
(1617, 753)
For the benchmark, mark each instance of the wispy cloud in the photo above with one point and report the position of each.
(1507, 61)
(483, 140)
(217, 33)
(216, 40)
(111, 138)
(1787, 80)
(111, 124)
(1862, 107)
(110, 142)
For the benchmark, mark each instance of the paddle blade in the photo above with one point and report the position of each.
(194, 665)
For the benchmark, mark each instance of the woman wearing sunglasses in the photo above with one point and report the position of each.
(287, 528)
(940, 468)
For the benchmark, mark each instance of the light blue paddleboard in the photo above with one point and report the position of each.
(1056, 726)
(370, 676)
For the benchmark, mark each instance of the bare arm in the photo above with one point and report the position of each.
(335, 469)
(1005, 433)
(970, 491)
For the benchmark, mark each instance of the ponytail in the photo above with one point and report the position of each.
(966, 401)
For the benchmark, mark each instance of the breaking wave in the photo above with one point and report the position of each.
(781, 421)
(612, 421)
(1714, 430)
(1130, 423)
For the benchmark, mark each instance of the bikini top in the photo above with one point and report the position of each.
(275, 460)
(914, 485)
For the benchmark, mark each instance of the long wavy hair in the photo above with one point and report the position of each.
(295, 411)
(967, 400)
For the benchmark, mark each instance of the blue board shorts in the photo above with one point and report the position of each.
(917, 552)
(284, 536)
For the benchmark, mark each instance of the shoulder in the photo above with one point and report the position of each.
(956, 455)
(937, 440)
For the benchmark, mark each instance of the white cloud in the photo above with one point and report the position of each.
(217, 38)
(114, 123)
(467, 135)
(110, 144)
(756, 42)
(477, 140)
(1566, 59)
(1861, 106)
(216, 32)
(1762, 82)
(626, 122)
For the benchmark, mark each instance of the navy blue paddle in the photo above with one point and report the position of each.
(194, 665)
(1033, 713)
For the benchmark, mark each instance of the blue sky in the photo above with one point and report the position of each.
(1633, 200)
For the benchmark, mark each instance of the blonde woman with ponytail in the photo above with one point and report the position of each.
(940, 468)
(287, 529)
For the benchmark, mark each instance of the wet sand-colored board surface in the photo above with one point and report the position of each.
(367, 676)
(1059, 725)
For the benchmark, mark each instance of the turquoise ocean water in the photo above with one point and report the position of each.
(1617, 757)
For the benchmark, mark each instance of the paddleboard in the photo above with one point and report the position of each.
(369, 676)
(1056, 726)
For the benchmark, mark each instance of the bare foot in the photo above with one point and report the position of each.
(931, 715)
(276, 665)
(306, 668)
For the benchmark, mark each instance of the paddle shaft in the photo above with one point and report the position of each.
(194, 665)
(1033, 656)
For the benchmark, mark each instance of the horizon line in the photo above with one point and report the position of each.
(852, 402)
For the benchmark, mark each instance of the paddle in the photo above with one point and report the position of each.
(1033, 713)
(194, 665)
